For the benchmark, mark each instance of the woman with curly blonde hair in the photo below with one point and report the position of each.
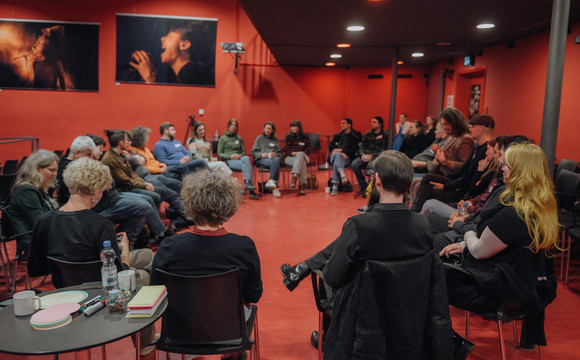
(505, 258)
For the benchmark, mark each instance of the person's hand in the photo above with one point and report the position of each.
(162, 168)
(461, 202)
(440, 156)
(451, 249)
(141, 62)
(366, 157)
(436, 185)
(293, 153)
(336, 151)
(272, 155)
(235, 157)
(123, 241)
(125, 153)
(264, 155)
(435, 148)
(482, 164)
(185, 159)
(456, 217)
(149, 186)
(344, 155)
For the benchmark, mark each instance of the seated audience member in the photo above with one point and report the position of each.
(268, 153)
(501, 258)
(449, 159)
(451, 229)
(127, 180)
(65, 233)
(210, 200)
(296, 150)
(100, 146)
(82, 146)
(200, 148)
(401, 130)
(388, 231)
(172, 153)
(231, 148)
(420, 160)
(486, 173)
(30, 197)
(343, 150)
(129, 210)
(415, 141)
(145, 165)
(430, 127)
(373, 142)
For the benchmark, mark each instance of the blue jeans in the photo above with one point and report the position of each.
(244, 165)
(338, 163)
(358, 166)
(178, 171)
(273, 164)
(133, 210)
(434, 206)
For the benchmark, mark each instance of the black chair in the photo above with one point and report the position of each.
(67, 273)
(570, 233)
(9, 235)
(10, 167)
(566, 187)
(6, 182)
(566, 164)
(205, 315)
(324, 306)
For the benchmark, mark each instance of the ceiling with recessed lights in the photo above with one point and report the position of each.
(306, 32)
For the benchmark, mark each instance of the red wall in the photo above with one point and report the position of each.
(515, 87)
(261, 91)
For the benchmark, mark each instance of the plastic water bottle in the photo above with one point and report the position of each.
(216, 137)
(463, 209)
(109, 269)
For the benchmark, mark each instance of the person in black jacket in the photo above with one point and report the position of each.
(343, 150)
(415, 141)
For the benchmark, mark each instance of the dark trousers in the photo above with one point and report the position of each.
(427, 192)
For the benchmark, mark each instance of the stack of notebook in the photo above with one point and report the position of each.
(146, 301)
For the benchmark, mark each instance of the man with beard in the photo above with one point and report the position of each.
(172, 153)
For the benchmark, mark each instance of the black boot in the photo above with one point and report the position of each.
(293, 275)
(462, 347)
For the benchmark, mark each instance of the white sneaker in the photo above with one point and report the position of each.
(334, 190)
(271, 184)
(276, 193)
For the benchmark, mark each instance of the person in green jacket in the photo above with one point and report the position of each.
(30, 197)
(231, 149)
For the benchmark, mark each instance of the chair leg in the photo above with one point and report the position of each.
(516, 339)
(562, 255)
(320, 335)
(466, 325)
(183, 357)
(568, 258)
(540, 352)
(256, 338)
(501, 344)
(104, 352)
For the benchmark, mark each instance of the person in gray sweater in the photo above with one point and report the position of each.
(267, 153)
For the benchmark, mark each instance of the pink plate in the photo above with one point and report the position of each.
(55, 313)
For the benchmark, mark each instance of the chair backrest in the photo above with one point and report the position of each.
(6, 182)
(314, 139)
(7, 226)
(10, 167)
(566, 164)
(204, 310)
(566, 186)
(68, 273)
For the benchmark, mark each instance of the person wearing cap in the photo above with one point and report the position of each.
(454, 186)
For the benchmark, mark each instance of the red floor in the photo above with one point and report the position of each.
(292, 228)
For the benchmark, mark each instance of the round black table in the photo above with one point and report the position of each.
(17, 336)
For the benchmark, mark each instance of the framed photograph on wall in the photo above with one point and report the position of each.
(166, 50)
(49, 55)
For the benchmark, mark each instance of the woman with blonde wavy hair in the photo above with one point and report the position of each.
(503, 260)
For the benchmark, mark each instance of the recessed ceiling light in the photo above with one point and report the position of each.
(343, 45)
(355, 28)
(417, 54)
(330, 64)
(400, 62)
(485, 26)
(445, 43)
(335, 56)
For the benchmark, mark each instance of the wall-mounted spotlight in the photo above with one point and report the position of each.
(234, 48)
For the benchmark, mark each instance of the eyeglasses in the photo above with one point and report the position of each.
(504, 164)
(51, 170)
